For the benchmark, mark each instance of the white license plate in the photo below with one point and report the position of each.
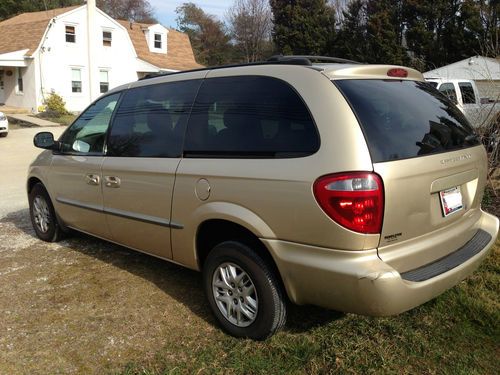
(451, 200)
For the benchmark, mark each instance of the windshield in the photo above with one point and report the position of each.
(406, 119)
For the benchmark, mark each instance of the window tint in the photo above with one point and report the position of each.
(87, 133)
(449, 90)
(151, 120)
(249, 116)
(405, 119)
(467, 92)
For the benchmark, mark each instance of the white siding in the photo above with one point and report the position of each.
(57, 58)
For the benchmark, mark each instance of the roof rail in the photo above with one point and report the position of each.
(276, 59)
(308, 59)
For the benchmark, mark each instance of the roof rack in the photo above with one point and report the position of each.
(308, 59)
(304, 60)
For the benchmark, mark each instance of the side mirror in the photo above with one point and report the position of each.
(44, 140)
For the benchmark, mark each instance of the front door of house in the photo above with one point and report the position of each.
(2, 91)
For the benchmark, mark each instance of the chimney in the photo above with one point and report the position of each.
(91, 45)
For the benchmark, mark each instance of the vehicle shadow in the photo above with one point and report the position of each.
(180, 283)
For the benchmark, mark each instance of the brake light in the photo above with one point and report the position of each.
(397, 72)
(354, 200)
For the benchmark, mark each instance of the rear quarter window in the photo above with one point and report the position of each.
(249, 117)
(406, 119)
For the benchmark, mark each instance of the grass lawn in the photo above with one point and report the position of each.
(456, 333)
(63, 119)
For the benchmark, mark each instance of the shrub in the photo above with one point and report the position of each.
(56, 104)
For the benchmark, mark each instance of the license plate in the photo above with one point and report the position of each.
(451, 200)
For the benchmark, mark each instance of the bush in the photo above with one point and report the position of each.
(56, 104)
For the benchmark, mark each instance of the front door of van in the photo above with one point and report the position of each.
(75, 173)
(143, 152)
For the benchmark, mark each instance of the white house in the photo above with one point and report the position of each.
(57, 51)
(484, 71)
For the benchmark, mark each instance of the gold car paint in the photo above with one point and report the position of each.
(138, 211)
(66, 181)
(277, 191)
(359, 281)
(273, 199)
(413, 208)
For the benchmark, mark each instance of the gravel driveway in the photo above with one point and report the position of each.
(83, 305)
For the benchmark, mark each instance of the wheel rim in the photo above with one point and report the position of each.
(235, 295)
(41, 214)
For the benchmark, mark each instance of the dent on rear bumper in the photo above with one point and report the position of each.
(359, 281)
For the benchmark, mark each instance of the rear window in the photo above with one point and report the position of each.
(406, 119)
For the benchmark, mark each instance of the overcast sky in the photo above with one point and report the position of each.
(165, 9)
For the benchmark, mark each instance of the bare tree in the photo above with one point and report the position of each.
(133, 10)
(250, 25)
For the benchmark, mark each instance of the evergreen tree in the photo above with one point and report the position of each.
(350, 40)
(384, 29)
(303, 27)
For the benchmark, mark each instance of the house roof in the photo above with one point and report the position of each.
(26, 30)
(478, 68)
(179, 51)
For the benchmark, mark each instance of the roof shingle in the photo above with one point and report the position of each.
(179, 51)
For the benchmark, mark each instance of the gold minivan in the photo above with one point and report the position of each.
(312, 180)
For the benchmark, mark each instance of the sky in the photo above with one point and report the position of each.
(165, 9)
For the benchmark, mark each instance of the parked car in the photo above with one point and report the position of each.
(315, 180)
(4, 125)
(464, 93)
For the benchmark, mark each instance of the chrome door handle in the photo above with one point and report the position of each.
(92, 179)
(112, 181)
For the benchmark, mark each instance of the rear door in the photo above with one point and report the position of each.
(431, 164)
(143, 152)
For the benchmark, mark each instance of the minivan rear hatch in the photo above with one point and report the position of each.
(432, 166)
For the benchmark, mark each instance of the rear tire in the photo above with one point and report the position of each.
(243, 291)
(3, 135)
(43, 216)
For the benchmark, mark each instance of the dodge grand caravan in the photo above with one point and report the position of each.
(316, 180)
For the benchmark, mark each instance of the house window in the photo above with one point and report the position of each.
(70, 34)
(19, 76)
(103, 81)
(158, 41)
(106, 38)
(76, 80)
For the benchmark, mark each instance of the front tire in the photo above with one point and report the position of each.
(43, 216)
(243, 291)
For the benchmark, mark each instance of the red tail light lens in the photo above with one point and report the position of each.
(354, 200)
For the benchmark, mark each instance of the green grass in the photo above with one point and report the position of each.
(456, 333)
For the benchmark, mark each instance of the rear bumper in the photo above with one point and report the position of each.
(360, 282)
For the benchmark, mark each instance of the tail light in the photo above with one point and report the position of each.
(354, 200)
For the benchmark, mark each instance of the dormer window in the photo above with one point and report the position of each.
(156, 37)
(158, 41)
(70, 34)
(106, 38)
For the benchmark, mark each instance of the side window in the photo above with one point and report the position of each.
(249, 117)
(87, 133)
(449, 90)
(467, 92)
(151, 120)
